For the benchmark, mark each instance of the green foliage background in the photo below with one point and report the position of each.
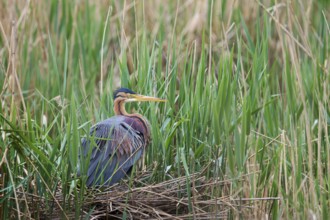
(247, 84)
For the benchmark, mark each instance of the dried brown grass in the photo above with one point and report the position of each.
(209, 199)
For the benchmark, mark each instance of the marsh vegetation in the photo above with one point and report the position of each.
(245, 131)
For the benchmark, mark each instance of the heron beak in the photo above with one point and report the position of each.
(142, 98)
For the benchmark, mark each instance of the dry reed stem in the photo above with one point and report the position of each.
(157, 201)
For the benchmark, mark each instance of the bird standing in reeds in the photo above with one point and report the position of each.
(117, 143)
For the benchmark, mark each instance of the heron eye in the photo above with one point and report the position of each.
(120, 95)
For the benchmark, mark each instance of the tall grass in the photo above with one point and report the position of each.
(247, 84)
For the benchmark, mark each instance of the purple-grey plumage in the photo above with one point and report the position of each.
(119, 143)
(116, 144)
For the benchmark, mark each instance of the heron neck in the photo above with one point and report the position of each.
(119, 107)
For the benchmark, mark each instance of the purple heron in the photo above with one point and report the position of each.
(117, 143)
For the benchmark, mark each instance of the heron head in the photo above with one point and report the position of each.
(129, 96)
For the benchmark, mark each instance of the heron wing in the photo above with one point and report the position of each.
(113, 148)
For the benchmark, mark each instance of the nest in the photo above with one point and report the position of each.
(179, 198)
